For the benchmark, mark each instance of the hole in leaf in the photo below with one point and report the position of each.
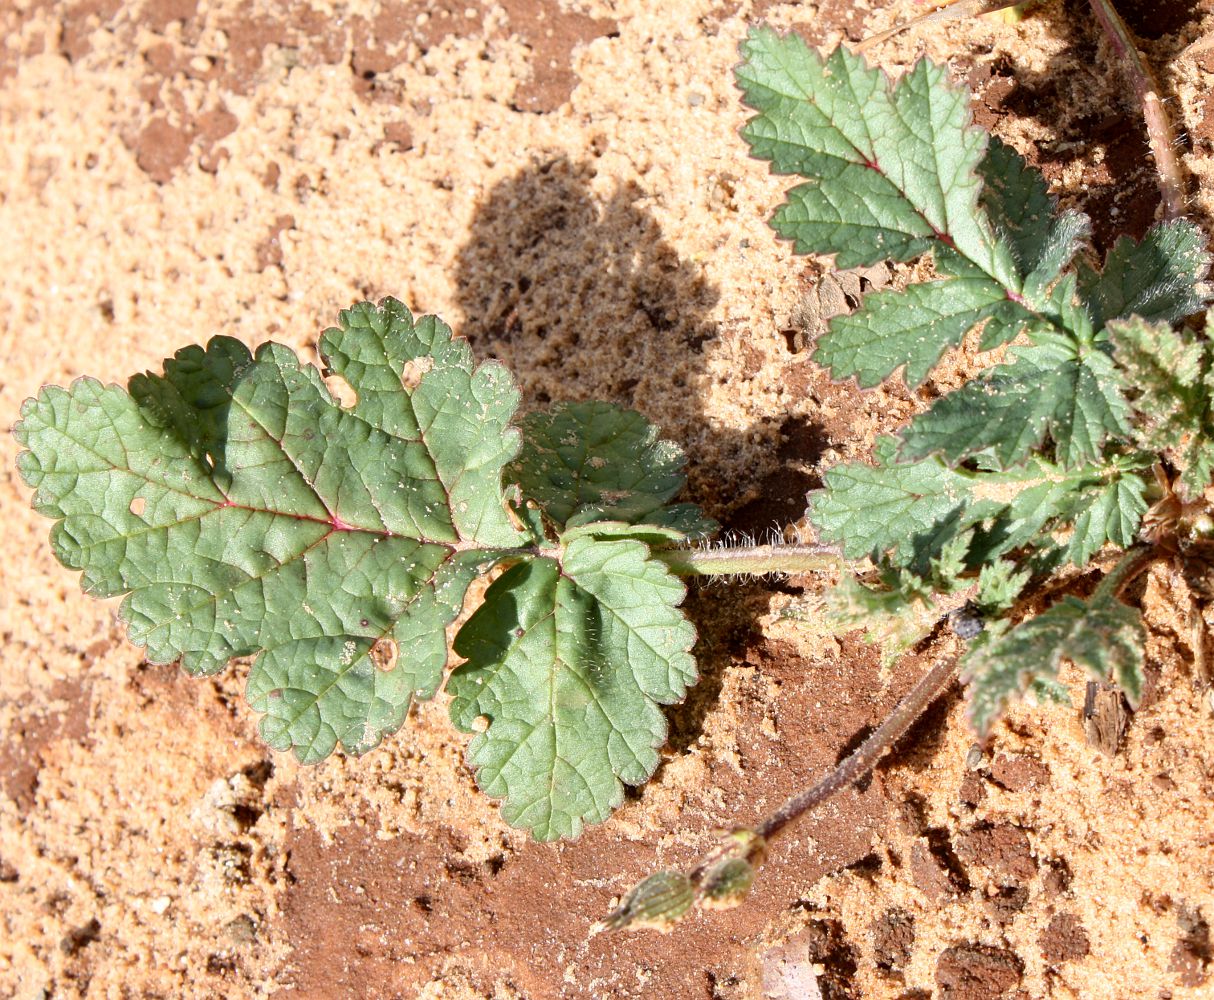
(480, 724)
(138, 506)
(383, 654)
(414, 369)
(342, 391)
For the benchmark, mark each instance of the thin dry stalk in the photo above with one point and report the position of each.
(1146, 88)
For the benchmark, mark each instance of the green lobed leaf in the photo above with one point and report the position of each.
(1171, 376)
(949, 564)
(568, 662)
(1065, 386)
(1006, 411)
(999, 584)
(593, 462)
(1105, 512)
(1023, 213)
(893, 170)
(242, 511)
(1156, 279)
(1096, 504)
(904, 510)
(912, 327)
(1101, 634)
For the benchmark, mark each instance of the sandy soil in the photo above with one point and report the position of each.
(563, 181)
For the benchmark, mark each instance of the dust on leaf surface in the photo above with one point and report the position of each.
(570, 663)
(242, 511)
(1101, 634)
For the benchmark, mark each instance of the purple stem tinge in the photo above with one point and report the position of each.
(1146, 89)
(862, 760)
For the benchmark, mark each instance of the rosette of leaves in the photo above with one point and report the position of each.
(240, 510)
(1041, 460)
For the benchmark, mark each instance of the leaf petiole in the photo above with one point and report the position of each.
(753, 560)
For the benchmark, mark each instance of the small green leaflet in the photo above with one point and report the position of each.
(1157, 279)
(569, 664)
(1070, 514)
(1103, 512)
(243, 511)
(892, 614)
(570, 661)
(1172, 378)
(999, 584)
(912, 328)
(1101, 634)
(586, 463)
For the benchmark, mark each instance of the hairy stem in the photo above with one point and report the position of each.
(1146, 89)
(1133, 562)
(752, 559)
(862, 760)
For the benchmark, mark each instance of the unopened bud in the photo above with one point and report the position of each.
(726, 884)
(656, 903)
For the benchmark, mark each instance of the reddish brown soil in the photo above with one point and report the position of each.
(562, 180)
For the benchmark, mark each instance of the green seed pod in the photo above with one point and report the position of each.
(726, 884)
(658, 903)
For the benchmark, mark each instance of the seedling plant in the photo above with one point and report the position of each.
(241, 510)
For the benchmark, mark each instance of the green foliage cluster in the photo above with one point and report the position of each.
(241, 510)
(1044, 458)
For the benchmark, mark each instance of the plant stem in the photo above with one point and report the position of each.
(862, 760)
(1129, 567)
(1146, 89)
(752, 560)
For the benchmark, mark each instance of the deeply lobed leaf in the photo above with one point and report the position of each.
(901, 511)
(1100, 634)
(893, 172)
(1053, 389)
(568, 663)
(242, 511)
(912, 328)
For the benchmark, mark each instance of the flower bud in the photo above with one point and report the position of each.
(657, 903)
(726, 884)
